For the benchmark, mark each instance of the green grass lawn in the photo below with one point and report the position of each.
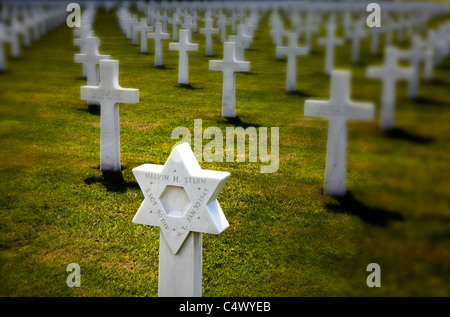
(285, 237)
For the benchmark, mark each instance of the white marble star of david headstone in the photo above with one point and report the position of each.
(180, 197)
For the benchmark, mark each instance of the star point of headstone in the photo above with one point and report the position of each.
(174, 203)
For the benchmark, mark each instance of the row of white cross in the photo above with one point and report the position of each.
(183, 212)
(181, 235)
(28, 24)
(190, 210)
(390, 73)
(422, 50)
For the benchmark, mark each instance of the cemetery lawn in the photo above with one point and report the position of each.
(285, 237)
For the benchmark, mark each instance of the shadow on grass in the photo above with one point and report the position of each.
(444, 66)
(162, 67)
(188, 86)
(361, 63)
(440, 82)
(427, 102)
(248, 73)
(113, 181)
(237, 122)
(95, 110)
(398, 133)
(348, 204)
(298, 93)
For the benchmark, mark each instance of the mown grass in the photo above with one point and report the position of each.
(285, 237)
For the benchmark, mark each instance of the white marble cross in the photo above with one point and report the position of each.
(417, 54)
(208, 30)
(278, 33)
(129, 22)
(292, 51)
(390, 73)
(189, 25)
(158, 36)
(13, 39)
(241, 40)
(374, 44)
(143, 28)
(109, 94)
(233, 19)
(338, 110)
(91, 60)
(175, 21)
(134, 30)
(229, 66)
(330, 42)
(222, 23)
(180, 199)
(311, 27)
(388, 27)
(83, 32)
(357, 35)
(183, 47)
(164, 19)
(22, 29)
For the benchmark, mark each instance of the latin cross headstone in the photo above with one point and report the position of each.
(156, 16)
(292, 51)
(91, 60)
(180, 199)
(13, 39)
(163, 19)
(229, 66)
(134, 30)
(388, 28)
(330, 42)
(183, 47)
(310, 28)
(374, 43)
(390, 73)
(109, 94)
(233, 19)
(123, 16)
(416, 56)
(158, 36)
(150, 13)
(250, 26)
(84, 31)
(143, 28)
(241, 40)
(357, 35)
(189, 25)
(278, 33)
(296, 22)
(175, 21)
(222, 23)
(208, 30)
(35, 22)
(22, 28)
(338, 110)
(129, 22)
